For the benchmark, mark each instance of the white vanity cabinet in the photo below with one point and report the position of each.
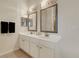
(40, 51)
(37, 48)
(34, 50)
(45, 52)
(40, 48)
(24, 43)
(27, 45)
(47, 49)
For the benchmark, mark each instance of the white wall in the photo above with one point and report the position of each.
(23, 7)
(8, 12)
(68, 17)
(12, 10)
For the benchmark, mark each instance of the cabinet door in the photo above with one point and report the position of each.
(26, 46)
(24, 43)
(34, 50)
(45, 52)
(21, 43)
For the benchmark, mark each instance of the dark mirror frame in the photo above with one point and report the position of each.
(36, 22)
(56, 21)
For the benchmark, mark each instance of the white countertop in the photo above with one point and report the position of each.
(53, 38)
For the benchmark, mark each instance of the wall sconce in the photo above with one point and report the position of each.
(43, 3)
(32, 8)
(47, 3)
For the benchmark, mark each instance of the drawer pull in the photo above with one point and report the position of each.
(23, 40)
(40, 47)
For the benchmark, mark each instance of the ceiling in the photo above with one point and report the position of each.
(32, 2)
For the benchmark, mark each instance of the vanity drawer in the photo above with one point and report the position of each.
(34, 40)
(22, 36)
(47, 44)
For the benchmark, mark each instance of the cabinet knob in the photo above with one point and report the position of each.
(40, 47)
(37, 45)
(23, 40)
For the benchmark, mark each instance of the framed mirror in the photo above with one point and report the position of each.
(48, 19)
(24, 22)
(32, 22)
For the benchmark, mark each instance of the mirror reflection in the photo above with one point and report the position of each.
(33, 21)
(49, 19)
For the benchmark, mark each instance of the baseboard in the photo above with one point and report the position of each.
(4, 53)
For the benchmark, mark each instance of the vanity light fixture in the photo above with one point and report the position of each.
(43, 3)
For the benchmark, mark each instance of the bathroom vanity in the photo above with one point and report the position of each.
(38, 46)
